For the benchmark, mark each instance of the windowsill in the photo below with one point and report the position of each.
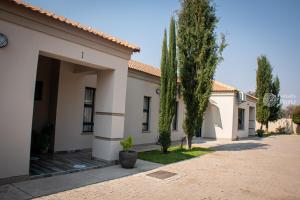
(87, 133)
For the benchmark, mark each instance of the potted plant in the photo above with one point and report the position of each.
(260, 132)
(127, 157)
(45, 137)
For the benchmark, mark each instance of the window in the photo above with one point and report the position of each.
(241, 118)
(175, 119)
(146, 114)
(88, 111)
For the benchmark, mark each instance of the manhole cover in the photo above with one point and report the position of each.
(161, 174)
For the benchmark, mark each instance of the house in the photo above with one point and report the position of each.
(230, 113)
(61, 75)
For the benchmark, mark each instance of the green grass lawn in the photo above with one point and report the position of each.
(175, 154)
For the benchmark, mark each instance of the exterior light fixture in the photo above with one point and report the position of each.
(3, 40)
(157, 91)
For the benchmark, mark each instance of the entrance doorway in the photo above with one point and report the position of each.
(50, 153)
(44, 110)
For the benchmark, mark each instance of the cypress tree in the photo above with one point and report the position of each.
(167, 88)
(199, 55)
(263, 87)
(172, 74)
(164, 130)
(275, 109)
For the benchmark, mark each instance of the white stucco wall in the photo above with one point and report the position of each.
(18, 73)
(221, 117)
(70, 103)
(136, 90)
(218, 118)
(286, 123)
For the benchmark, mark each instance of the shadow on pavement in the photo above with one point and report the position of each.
(239, 146)
(51, 185)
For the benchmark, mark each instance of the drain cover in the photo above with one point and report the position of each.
(161, 174)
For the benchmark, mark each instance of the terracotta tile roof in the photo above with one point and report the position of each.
(76, 25)
(251, 97)
(132, 64)
(221, 87)
(138, 66)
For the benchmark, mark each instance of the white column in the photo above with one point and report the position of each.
(109, 113)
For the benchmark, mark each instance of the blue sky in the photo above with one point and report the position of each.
(252, 28)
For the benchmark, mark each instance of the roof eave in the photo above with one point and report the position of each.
(114, 40)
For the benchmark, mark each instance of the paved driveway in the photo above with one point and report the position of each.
(248, 169)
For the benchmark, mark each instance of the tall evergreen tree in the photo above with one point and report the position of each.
(172, 74)
(163, 130)
(167, 87)
(263, 87)
(275, 109)
(199, 55)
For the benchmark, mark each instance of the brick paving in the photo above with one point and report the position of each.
(247, 169)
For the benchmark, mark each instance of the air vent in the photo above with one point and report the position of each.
(242, 97)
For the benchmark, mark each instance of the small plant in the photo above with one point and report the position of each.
(127, 157)
(127, 143)
(260, 132)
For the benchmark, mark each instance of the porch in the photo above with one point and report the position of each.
(65, 122)
(65, 162)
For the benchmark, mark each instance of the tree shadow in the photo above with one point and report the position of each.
(240, 146)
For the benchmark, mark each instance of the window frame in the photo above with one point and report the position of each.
(147, 111)
(242, 125)
(85, 105)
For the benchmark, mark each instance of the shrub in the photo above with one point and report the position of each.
(260, 132)
(281, 130)
(127, 143)
(296, 115)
